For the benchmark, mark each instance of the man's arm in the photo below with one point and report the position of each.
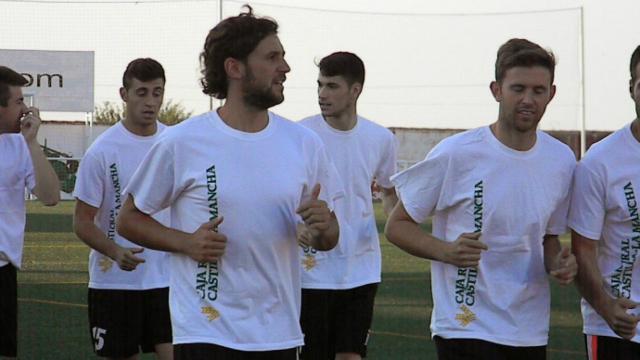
(47, 187)
(389, 200)
(592, 287)
(405, 233)
(322, 229)
(559, 262)
(204, 245)
(90, 234)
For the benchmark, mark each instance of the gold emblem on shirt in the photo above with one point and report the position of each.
(466, 317)
(210, 312)
(105, 264)
(309, 262)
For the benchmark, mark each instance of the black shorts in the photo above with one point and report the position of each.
(336, 321)
(123, 322)
(216, 352)
(611, 348)
(466, 349)
(8, 311)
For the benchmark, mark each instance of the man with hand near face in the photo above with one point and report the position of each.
(23, 165)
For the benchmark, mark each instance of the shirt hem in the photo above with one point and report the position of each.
(99, 286)
(241, 347)
(328, 286)
(489, 338)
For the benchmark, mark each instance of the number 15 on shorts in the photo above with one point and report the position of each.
(98, 339)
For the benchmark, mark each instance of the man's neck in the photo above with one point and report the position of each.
(140, 130)
(344, 122)
(517, 140)
(238, 115)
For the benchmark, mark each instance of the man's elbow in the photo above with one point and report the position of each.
(123, 223)
(50, 200)
(389, 231)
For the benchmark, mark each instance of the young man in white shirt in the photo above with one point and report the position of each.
(23, 165)
(497, 213)
(238, 180)
(339, 286)
(128, 285)
(606, 237)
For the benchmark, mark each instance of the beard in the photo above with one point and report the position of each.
(260, 98)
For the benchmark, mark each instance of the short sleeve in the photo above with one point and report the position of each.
(154, 184)
(420, 186)
(387, 166)
(30, 177)
(90, 179)
(588, 206)
(557, 224)
(323, 172)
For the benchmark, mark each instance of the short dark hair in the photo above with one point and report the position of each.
(345, 64)
(635, 59)
(234, 37)
(143, 69)
(522, 52)
(9, 77)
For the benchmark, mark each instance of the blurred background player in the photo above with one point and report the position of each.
(339, 286)
(128, 285)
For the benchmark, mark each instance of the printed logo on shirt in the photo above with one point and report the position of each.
(309, 261)
(208, 273)
(467, 277)
(622, 277)
(105, 263)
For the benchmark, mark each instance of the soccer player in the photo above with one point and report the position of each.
(128, 285)
(238, 180)
(23, 165)
(606, 237)
(499, 197)
(339, 286)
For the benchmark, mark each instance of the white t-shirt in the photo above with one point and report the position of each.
(361, 154)
(16, 173)
(472, 182)
(604, 207)
(104, 173)
(249, 300)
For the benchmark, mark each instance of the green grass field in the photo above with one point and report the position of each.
(53, 311)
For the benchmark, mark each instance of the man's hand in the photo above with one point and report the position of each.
(303, 235)
(619, 320)
(315, 213)
(465, 251)
(565, 267)
(29, 124)
(205, 244)
(126, 257)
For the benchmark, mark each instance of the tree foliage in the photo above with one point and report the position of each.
(109, 113)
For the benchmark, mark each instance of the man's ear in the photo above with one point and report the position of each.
(552, 92)
(234, 68)
(356, 90)
(123, 94)
(496, 90)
